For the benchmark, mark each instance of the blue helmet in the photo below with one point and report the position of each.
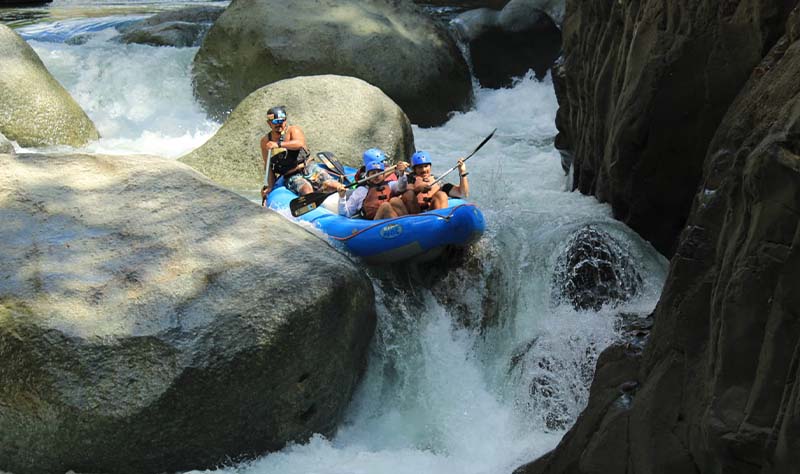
(374, 165)
(373, 154)
(420, 158)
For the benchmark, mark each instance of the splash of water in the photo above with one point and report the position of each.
(139, 97)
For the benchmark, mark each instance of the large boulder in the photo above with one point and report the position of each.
(151, 321)
(343, 115)
(35, 110)
(507, 44)
(388, 43)
(179, 28)
(719, 383)
(646, 84)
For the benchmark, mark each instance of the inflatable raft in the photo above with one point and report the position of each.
(417, 237)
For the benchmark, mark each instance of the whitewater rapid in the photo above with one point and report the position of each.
(437, 397)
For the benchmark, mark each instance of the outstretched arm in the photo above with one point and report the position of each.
(462, 190)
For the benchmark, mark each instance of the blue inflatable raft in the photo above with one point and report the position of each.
(415, 237)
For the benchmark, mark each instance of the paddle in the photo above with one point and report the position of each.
(267, 170)
(465, 159)
(308, 202)
(333, 164)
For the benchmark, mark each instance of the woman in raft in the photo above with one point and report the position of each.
(377, 198)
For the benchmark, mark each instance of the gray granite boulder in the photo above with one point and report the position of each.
(35, 110)
(388, 43)
(151, 321)
(506, 44)
(179, 28)
(343, 115)
(179, 34)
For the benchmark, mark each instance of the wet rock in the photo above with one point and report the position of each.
(151, 321)
(481, 268)
(594, 270)
(336, 114)
(179, 34)
(507, 44)
(80, 39)
(557, 382)
(23, 3)
(5, 145)
(178, 28)
(466, 4)
(554, 382)
(197, 15)
(646, 85)
(608, 412)
(718, 382)
(35, 110)
(392, 45)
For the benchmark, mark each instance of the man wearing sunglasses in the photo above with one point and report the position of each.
(292, 164)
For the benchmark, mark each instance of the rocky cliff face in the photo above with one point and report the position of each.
(716, 390)
(644, 87)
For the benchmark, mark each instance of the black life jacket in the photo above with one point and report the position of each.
(284, 162)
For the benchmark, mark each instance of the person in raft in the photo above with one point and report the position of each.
(376, 198)
(417, 193)
(298, 176)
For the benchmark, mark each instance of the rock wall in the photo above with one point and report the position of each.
(645, 85)
(151, 321)
(717, 389)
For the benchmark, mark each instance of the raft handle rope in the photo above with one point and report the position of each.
(388, 221)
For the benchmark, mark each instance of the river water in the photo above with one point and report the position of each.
(440, 395)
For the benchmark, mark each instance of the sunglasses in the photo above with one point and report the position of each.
(277, 121)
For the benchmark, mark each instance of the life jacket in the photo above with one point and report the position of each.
(284, 162)
(377, 195)
(424, 199)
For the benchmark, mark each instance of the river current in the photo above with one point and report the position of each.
(439, 396)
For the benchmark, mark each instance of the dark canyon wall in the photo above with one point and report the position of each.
(643, 87)
(716, 390)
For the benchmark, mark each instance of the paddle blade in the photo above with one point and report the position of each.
(333, 164)
(480, 145)
(307, 203)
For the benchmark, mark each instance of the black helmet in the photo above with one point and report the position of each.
(277, 113)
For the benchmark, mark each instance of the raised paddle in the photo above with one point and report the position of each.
(465, 159)
(308, 202)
